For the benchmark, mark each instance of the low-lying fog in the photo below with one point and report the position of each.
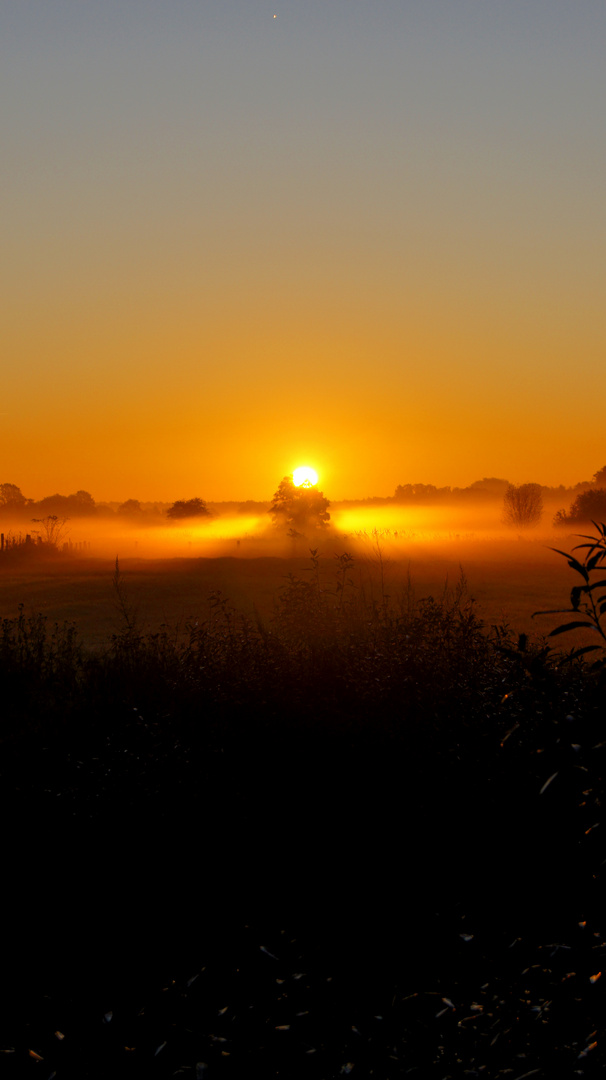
(171, 568)
(249, 535)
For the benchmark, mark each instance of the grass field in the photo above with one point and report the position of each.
(508, 580)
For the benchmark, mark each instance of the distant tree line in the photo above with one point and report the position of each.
(490, 487)
(80, 504)
(13, 503)
(296, 507)
(523, 504)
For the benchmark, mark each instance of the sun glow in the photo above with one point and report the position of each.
(305, 475)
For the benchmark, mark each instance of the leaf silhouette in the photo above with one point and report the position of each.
(571, 626)
(581, 652)
(553, 611)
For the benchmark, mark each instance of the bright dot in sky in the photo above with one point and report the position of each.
(305, 475)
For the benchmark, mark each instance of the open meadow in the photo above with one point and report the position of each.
(508, 578)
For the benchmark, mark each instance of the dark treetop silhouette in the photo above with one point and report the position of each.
(299, 508)
(188, 508)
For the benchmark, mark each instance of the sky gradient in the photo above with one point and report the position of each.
(363, 236)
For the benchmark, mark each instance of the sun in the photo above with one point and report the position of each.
(305, 476)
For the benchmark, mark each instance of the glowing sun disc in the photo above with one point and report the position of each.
(304, 475)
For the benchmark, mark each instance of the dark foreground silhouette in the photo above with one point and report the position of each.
(374, 849)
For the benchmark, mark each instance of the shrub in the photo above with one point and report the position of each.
(523, 505)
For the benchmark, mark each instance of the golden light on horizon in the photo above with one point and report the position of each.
(305, 475)
(330, 290)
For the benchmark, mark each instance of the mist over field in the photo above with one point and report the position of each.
(399, 549)
(247, 529)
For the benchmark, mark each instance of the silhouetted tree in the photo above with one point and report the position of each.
(187, 508)
(599, 480)
(81, 503)
(11, 497)
(491, 487)
(299, 508)
(523, 505)
(588, 506)
(52, 504)
(130, 508)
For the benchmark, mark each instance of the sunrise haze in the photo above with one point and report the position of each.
(363, 237)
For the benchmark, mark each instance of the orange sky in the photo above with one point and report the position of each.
(236, 244)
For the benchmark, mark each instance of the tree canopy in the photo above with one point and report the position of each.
(188, 508)
(299, 508)
(80, 504)
(11, 497)
(588, 506)
(130, 508)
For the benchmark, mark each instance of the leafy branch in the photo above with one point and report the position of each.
(593, 607)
